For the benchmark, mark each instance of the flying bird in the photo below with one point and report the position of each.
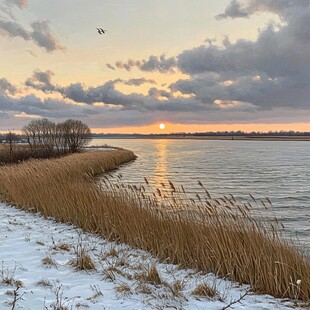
(101, 31)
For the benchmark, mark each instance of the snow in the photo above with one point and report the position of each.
(103, 148)
(26, 239)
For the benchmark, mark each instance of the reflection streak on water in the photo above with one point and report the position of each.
(161, 174)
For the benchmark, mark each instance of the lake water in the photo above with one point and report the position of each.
(279, 170)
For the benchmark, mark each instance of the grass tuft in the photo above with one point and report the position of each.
(205, 290)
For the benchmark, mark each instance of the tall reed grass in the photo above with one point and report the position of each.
(212, 235)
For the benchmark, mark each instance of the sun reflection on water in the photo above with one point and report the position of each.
(161, 169)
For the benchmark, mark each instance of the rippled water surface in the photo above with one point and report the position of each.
(279, 170)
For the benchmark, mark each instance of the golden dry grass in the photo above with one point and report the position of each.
(217, 235)
(205, 290)
(150, 275)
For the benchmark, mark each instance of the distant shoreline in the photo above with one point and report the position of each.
(192, 137)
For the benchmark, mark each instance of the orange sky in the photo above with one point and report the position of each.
(171, 128)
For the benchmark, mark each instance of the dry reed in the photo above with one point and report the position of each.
(211, 235)
(20, 153)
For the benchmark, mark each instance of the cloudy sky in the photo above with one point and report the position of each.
(195, 65)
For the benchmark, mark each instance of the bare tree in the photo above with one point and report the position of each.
(11, 138)
(76, 134)
(70, 135)
(32, 134)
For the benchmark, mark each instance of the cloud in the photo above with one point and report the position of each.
(43, 37)
(268, 73)
(105, 93)
(159, 93)
(48, 107)
(6, 87)
(31, 52)
(161, 64)
(13, 29)
(130, 64)
(41, 80)
(234, 10)
(6, 7)
(40, 32)
(153, 63)
(247, 8)
(136, 109)
(110, 66)
(138, 82)
(271, 72)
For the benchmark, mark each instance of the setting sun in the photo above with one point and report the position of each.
(162, 126)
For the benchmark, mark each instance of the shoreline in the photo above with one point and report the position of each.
(209, 138)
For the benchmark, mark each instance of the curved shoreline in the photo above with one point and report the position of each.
(234, 246)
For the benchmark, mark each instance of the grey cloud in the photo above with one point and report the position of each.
(110, 66)
(76, 92)
(46, 107)
(127, 66)
(40, 34)
(7, 5)
(41, 80)
(43, 36)
(234, 10)
(13, 29)
(107, 94)
(161, 64)
(155, 92)
(246, 8)
(272, 71)
(138, 82)
(153, 63)
(6, 87)
(141, 110)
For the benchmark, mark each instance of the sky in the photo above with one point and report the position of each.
(199, 65)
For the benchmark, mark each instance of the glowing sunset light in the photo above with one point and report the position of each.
(167, 81)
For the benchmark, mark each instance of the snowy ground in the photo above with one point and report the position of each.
(35, 256)
(100, 148)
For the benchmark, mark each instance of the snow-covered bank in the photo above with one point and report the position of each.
(89, 148)
(37, 255)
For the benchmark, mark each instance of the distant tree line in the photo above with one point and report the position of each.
(253, 133)
(210, 134)
(68, 136)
